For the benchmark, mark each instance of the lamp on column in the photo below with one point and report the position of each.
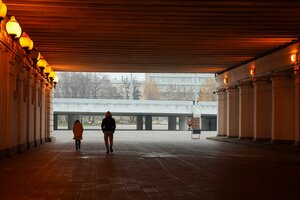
(55, 81)
(294, 60)
(3, 11)
(52, 76)
(42, 63)
(13, 28)
(225, 80)
(25, 42)
(47, 71)
(252, 70)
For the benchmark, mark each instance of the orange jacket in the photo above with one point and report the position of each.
(77, 131)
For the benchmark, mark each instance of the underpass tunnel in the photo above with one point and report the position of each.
(251, 48)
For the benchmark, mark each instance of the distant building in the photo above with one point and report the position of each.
(175, 86)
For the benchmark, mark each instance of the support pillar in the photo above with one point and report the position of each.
(297, 108)
(233, 112)
(49, 114)
(283, 101)
(246, 122)
(29, 111)
(148, 122)
(171, 123)
(222, 113)
(71, 120)
(139, 122)
(262, 110)
(55, 122)
(182, 123)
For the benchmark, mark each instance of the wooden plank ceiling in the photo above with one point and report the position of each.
(155, 35)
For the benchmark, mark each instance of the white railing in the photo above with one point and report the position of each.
(154, 107)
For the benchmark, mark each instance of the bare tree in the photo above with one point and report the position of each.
(130, 88)
(151, 91)
(84, 85)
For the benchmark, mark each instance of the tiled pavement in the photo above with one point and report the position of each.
(149, 165)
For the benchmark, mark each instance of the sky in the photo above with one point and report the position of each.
(118, 76)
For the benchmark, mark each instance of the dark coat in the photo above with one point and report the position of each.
(108, 124)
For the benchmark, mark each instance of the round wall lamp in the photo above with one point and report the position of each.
(42, 63)
(13, 28)
(3, 11)
(25, 42)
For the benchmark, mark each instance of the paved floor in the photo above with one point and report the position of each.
(150, 165)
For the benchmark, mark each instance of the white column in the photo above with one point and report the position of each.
(22, 111)
(233, 112)
(30, 110)
(48, 104)
(3, 99)
(222, 113)
(297, 108)
(246, 125)
(283, 98)
(182, 123)
(262, 110)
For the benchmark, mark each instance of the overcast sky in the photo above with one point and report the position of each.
(138, 76)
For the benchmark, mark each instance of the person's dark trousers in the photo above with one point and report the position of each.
(77, 144)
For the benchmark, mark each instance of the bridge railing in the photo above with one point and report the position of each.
(124, 106)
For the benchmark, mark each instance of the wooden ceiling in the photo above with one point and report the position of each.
(155, 35)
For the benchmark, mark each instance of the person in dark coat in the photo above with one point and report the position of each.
(108, 127)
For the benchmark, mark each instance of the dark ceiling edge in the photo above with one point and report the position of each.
(259, 56)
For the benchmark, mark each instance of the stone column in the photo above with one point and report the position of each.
(246, 114)
(35, 111)
(3, 101)
(283, 109)
(71, 120)
(49, 114)
(222, 113)
(171, 123)
(55, 122)
(29, 110)
(182, 123)
(233, 112)
(22, 112)
(297, 108)
(262, 110)
(139, 122)
(148, 122)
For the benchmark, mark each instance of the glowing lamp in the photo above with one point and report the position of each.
(294, 57)
(13, 28)
(3, 11)
(55, 81)
(52, 76)
(42, 63)
(225, 80)
(252, 71)
(30, 45)
(47, 70)
(25, 42)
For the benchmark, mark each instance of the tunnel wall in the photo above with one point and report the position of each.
(25, 100)
(265, 105)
